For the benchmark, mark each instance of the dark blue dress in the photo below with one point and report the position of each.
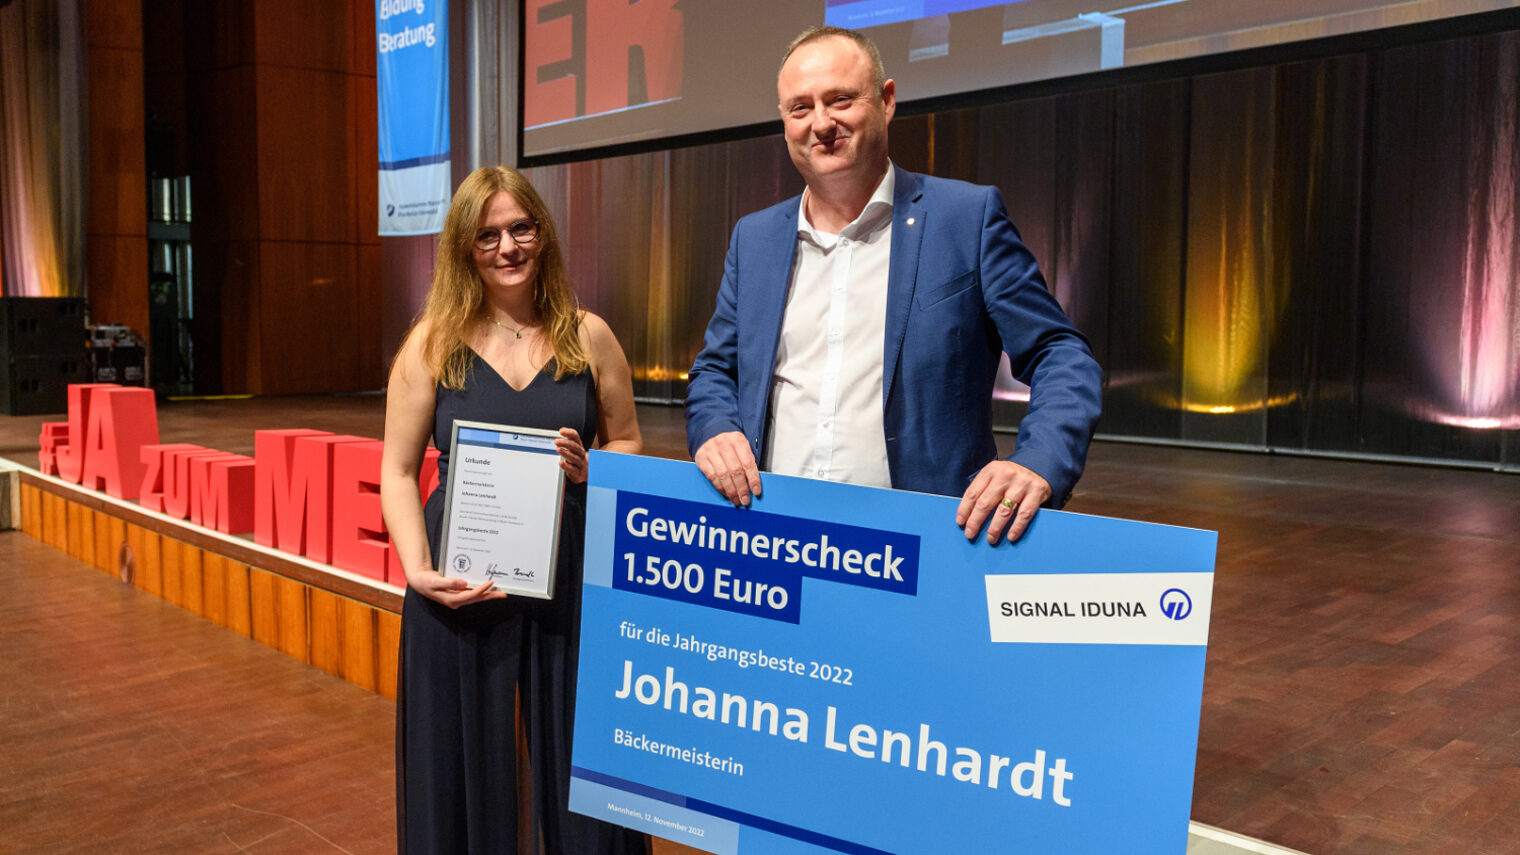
(461, 670)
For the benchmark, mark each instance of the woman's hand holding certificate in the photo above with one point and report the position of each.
(572, 453)
(455, 592)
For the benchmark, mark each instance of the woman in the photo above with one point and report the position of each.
(500, 339)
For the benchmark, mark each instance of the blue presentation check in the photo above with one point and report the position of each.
(837, 669)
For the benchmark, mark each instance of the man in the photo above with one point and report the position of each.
(858, 327)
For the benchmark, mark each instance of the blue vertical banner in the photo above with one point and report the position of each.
(412, 42)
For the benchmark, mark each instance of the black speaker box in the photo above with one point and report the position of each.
(41, 352)
(37, 385)
(41, 326)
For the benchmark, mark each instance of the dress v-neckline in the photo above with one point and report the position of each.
(508, 383)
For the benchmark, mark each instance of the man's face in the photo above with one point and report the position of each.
(836, 123)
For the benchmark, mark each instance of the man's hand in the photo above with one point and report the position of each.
(1001, 493)
(729, 464)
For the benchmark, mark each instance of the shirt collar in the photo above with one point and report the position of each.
(876, 214)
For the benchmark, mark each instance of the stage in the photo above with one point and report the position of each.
(1363, 661)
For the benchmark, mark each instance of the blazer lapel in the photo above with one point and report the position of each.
(762, 307)
(902, 276)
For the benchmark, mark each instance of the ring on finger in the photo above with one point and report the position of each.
(1008, 503)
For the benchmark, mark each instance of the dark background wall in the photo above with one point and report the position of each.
(1313, 255)
(1316, 255)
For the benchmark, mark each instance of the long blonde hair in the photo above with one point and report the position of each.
(456, 294)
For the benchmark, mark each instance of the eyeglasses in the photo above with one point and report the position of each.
(521, 232)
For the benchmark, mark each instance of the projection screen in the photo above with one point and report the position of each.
(599, 73)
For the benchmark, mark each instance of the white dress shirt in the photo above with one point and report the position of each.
(826, 399)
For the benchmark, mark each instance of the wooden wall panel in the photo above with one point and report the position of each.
(87, 536)
(364, 153)
(303, 35)
(290, 612)
(304, 192)
(359, 644)
(115, 297)
(364, 130)
(61, 530)
(310, 327)
(61, 523)
(308, 264)
(219, 35)
(326, 631)
(119, 193)
(39, 515)
(132, 537)
(239, 599)
(104, 551)
(31, 511)
(224, 162)
(192, 585)
(152, 552)
(116, 536)
(387, 650)
(71, 530)
(72, 534)
(32, 514)
(294, 165)
(59, 516)
(224, 172)
(74, 515)
(146, 575)
(114, 23)
(370, 315)
(214, 588)
(171, 580)
(55, 522)
(116, 216)
(361, 37)
(227, 285)
(263, 608)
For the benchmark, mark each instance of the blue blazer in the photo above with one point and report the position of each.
(962, 288)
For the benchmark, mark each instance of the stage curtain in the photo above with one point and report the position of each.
(42, 212)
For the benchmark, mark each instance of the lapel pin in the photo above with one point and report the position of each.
(910, 221)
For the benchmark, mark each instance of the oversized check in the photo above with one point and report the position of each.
(838, 669)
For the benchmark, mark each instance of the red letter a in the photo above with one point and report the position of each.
(122, 420)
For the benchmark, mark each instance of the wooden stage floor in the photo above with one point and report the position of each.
(1362, 691)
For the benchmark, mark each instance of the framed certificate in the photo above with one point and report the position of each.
(502, 512)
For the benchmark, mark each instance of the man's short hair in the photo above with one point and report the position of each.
(813, 34)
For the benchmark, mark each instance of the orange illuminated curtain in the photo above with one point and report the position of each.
(41, 148)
